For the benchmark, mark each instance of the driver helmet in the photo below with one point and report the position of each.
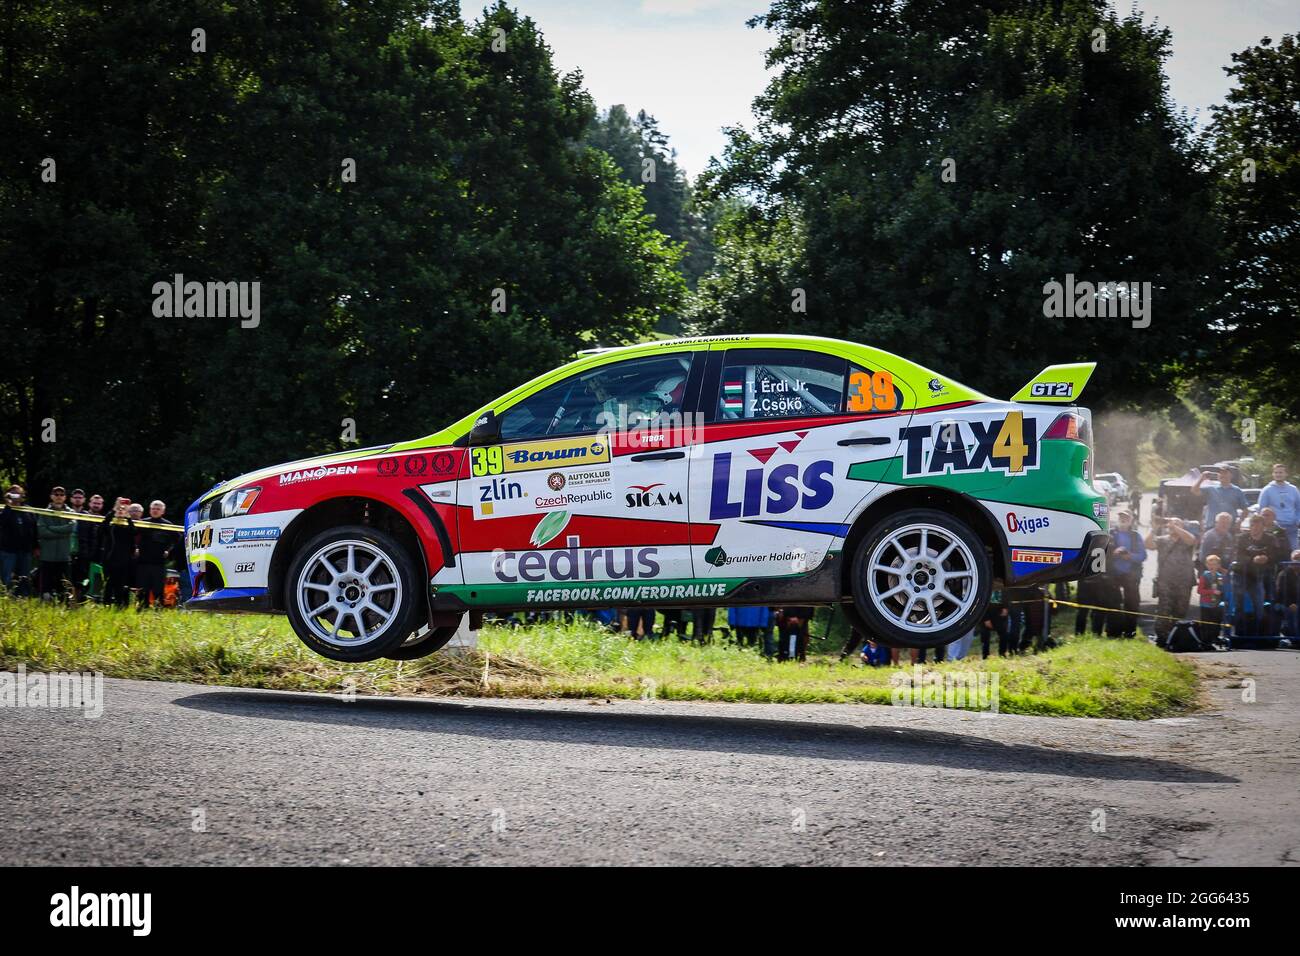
(669, 391)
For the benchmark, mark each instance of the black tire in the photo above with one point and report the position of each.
(886, 620)
(392, 621)
(422, 644)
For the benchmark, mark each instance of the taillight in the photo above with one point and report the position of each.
(1067, 426)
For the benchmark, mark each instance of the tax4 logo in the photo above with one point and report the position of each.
(771, 486)
(1008, 443)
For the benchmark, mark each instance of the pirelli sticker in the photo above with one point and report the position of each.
(534, 455)
(1034, 556)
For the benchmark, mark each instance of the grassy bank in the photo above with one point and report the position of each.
(1087, 677)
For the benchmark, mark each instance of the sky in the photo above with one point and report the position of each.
(696, 67)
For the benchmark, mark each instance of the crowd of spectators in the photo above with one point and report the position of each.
(116, 557)
(1241, 567)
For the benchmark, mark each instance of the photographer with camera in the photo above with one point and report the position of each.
(1225, 496)
(1175, 548)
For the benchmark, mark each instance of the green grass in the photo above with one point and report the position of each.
(1088, 677)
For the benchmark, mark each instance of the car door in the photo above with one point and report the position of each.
(770, 485)
(586, 485)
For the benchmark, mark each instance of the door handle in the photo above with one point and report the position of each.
(879, 440)
(659, 456)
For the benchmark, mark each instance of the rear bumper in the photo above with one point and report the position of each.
(1072, 566)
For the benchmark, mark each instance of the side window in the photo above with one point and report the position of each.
(628, 394)
(780, 383)
(869, 391)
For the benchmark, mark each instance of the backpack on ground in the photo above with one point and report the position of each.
(1184, 638)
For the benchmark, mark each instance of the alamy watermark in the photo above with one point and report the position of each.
(960, 690)
(208, 300)
(1099, 300)
(60, 690)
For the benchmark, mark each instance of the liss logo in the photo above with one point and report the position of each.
(575, 563)
(1008, 444)
(1026, 525)
(650, 496)
(769, 491)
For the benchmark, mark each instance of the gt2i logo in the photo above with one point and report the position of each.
(1008, 444)
(245, 567)
(773, 491)
(1052, 390)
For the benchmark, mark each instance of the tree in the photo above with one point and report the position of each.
(643, 155)
(1256, 136)
(480, 241)
(923, 169)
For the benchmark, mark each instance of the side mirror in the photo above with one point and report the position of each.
(486, 430)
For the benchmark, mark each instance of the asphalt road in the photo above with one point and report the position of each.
(298, 778)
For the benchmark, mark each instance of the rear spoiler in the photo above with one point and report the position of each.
(1056, 384)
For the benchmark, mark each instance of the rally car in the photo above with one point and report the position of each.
(747, 469)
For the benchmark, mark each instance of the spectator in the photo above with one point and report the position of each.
(1281, 545)
(702, 619)
(644, 618)
(1225, 496)
(117, 546)
(1258, 558)
(1257, 550)
(57, 537)
(1284, 498)
(1175, 572)
(95, 574)
(17, 541)
(1209, 589)
(1128, 554)
(995, 619)
(156, 546)
(136, 511)
(673, 623)
(1220, 540)
(792, 625)
(875, 655)
(750, 624)
(79, 567)
(1287, 590)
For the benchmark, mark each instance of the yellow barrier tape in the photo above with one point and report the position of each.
(1108, 610)
(83, 516)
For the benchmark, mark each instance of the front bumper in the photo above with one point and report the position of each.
(232, 600)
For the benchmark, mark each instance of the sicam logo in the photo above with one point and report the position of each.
(645, 496)
(775, 491)
(311, 474)
(1026, 525)
(575, 563)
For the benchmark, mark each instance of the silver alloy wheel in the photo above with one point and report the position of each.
(921, 577)
(349, 593)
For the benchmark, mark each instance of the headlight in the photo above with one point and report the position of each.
(238, 502)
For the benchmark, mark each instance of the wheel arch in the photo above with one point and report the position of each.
(334, 512)
(926, 496)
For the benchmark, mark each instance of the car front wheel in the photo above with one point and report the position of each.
(352, 594)
(921, 578)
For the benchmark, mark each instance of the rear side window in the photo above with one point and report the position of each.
(780, 383)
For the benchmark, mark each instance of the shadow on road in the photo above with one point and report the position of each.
(697, 732)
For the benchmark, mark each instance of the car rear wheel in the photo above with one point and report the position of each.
(422, 643)
(921, 578)
(352, 594)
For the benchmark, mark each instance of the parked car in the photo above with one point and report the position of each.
(746, 469)
(1119, 490)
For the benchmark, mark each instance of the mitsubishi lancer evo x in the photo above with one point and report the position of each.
(748, 469)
